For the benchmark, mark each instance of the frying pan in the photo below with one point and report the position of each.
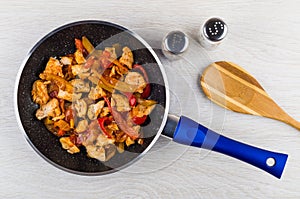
(183, 130)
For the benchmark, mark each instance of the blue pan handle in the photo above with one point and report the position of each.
(189, 132)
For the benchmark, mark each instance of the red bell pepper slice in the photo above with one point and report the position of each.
(60, 133)
(139, 120)
(146, 91)
(101, 122)
(79, 46)
(131, 98)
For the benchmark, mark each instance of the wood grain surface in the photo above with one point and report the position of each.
(233, 88)
(263, 37)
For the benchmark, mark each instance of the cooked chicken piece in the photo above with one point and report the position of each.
(93, 132)
(120, 102)
(101, 153)
(112, 51)
(82, 126)
(58, 81)
(104, 112)
(93, 79)
(54, 67)
(60, 117)
(96, 93)
(95, 136)
(140, 110)
(69, 145)
(129, 141)
(96, 152)
(80, 86)
(78, 69)
(71, 97)
(95, 109)
(94, 140)
(79, 57)
(39, 92)
(80, 107)
(83, 75)
(110, 151)
(127, 57)
(63, 125)
(113, 127)
(66, 60)
(50, 109)
(81, 71)
(102, 148)
(102, 140)
(136, 79)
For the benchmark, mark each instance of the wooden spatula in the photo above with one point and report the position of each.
(231, 87)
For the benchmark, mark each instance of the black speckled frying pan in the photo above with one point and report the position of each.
(61, 42)
(185, 131)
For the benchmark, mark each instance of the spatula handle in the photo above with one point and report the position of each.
(189, 132)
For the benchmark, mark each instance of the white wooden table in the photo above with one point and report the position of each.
(264, 38)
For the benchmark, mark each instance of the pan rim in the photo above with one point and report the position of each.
(52, 32)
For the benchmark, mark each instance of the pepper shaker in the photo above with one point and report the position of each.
(174, 44)
(212, 33)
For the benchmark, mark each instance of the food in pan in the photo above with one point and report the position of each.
(94, 99)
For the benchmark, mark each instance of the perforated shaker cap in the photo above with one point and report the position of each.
(215, 29)
(176, 42)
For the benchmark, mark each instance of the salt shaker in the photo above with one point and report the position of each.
(212, 33)
(174, 44)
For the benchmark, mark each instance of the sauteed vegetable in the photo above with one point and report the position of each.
(95, 99)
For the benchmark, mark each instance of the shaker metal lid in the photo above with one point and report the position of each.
(176, 42)
(215, 29)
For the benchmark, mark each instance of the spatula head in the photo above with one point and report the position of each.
(233, 88)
